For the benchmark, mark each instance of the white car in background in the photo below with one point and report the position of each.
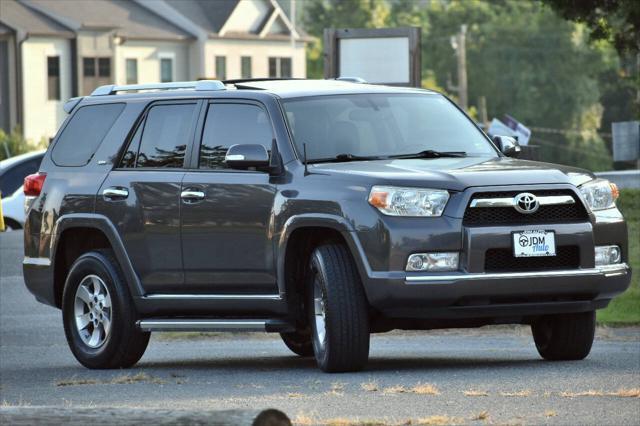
(12, 173)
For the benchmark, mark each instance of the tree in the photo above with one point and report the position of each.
(617, 21)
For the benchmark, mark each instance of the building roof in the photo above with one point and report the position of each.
(127, 18)
(208, 15)
(21, 18)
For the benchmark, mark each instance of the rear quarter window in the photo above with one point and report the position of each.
(81, 138)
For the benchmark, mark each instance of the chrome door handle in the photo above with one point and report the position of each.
(115, 193)
(191, 196)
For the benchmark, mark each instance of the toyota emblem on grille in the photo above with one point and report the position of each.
(526, 203)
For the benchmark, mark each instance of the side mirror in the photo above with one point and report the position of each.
(242, 157)
(508, 145)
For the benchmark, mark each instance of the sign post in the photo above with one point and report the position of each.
(382, 56)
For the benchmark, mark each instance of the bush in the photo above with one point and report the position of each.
(13, 144)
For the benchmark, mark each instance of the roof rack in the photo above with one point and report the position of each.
(205, 85)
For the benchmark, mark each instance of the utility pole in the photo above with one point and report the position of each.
(462, 68)
(458, 42)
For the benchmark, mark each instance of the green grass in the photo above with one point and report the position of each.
(625, 309)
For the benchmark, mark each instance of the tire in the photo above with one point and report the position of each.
(11, 225)
(299, 342)
(566, 336)
(111, 338)
(336, 300)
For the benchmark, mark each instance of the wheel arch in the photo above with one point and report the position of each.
(76, 234)
(299, 236)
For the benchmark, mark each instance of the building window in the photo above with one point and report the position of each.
(95, 72)
(166, 70)
(89, 67)
(280, 67)
(221, 67)
(53, 77)
(245, 65)
(132, 71)
(104, 67)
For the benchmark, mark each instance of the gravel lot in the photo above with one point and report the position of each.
(488, 375)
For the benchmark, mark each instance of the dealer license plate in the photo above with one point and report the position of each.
(534, 243)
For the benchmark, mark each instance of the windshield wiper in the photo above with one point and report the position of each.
(340, 158)
(430, 153)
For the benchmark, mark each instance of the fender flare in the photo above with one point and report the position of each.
(104, 225)
(334, 222)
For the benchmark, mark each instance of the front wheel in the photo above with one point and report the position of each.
(565, 336)
(98, 314)
(338, 310)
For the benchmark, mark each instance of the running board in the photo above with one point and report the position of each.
(193, 324)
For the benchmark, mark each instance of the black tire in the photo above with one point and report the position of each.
(345, 346)
(124, 344)
(566, 336)
(299, 342)
(11, 224)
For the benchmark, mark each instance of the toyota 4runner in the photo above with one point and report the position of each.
(321, 210)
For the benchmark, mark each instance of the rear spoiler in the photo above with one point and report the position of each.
(71, 104)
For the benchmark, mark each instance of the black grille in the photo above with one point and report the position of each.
(488, 216)
(502, 260)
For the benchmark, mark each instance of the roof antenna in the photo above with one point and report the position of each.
(304, 150)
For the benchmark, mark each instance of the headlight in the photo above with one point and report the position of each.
(395, 201)
(600, 194)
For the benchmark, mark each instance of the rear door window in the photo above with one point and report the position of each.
(82, 136)
(161, 140)
(231, 124)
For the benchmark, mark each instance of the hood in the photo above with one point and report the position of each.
(457, 174)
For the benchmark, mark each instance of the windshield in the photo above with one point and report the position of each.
(381, 126)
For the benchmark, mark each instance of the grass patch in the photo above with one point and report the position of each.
(620, 393)
(519, 394)
(370, 386)
(306, 420)
(475, 392)
(425, 389)
(419, 389)
(126, 379)
(625, 309)
(482, 415)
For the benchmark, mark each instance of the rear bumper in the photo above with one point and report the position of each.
(486, 295)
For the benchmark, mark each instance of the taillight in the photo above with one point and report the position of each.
(33, 184)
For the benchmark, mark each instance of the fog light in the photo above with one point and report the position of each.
(433, 262)
(608, 255)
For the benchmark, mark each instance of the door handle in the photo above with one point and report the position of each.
(190, 196)
(115, 193)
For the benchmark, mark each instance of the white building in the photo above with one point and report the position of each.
(51, 50)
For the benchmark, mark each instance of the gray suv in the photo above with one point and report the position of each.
(321, 210)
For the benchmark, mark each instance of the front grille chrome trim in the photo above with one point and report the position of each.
(606, 271)
(551, 200)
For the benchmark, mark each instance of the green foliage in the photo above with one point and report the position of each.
(13, 144)
(525, 59)
(617, 21)
(625, 309)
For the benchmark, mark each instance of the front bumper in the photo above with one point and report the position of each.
(486, 295)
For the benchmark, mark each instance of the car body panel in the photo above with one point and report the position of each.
(226, 256)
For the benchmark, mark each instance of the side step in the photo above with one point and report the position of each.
(194, 324)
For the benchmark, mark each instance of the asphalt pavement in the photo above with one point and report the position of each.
(491, 375)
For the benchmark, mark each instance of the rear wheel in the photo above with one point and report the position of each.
(338, 310)
(565, 336)
(299, 342)
(98, 314)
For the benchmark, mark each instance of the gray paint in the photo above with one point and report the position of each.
(225, 255)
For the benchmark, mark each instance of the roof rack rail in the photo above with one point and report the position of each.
(352, 79)
(112, 89)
